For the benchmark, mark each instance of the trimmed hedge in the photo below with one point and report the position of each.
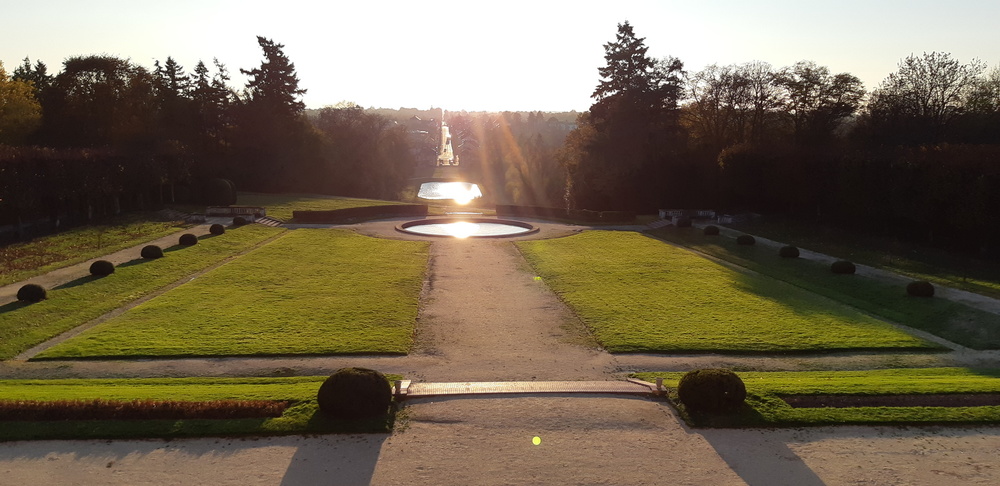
(217, 229)
(843, 267)
(354, 393)
(31, 293)
(151, 252)
(239, 221)
(102, 268)
(334, 216)
(920, 288)
(188, 239)
(711, 230)
(711, 390)
(587, 215)
(788, 251)
(746, 240)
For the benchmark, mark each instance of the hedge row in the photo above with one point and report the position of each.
(562, 213)
(333, 216)
(32, 410)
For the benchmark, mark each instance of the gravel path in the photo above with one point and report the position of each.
(484, 317)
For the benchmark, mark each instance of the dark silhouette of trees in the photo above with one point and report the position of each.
(818, 102)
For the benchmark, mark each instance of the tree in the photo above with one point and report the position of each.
(919, 102)
(38, 75)
(20, 112)
(817, 102)
(173, 89)
(274, 86)
(618, 155)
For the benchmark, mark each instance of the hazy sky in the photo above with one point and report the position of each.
(509, 55)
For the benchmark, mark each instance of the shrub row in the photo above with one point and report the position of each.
(32, 410)
(334, 216)
(562, 213)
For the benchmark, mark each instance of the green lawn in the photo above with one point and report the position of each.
(300, 418)
(766, 408)
(314, 292)
(938, 266)
(280, 206)
(951, 320)
(638, 294)
(70, 305)
(21, 261)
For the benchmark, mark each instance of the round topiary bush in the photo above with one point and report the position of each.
(187, 239)
(711, 390)
(843, 267)
(711, 230)
(745, 240)
(216, 229)
(151, 252)
(102, 268)
(920, 288)
(239, 221)
(354, 393)
(31, 293)
(788, 251)
(684, 223)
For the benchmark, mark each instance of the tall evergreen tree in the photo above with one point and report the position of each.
(274, 86)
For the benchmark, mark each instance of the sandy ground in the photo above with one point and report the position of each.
(485, 317)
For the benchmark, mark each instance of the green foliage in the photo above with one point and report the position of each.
(711, 390)
(788, 251)
(100, 409)
(239, 221)
(188, 239)
(355, 393)
(711, 230)
(746, 240)
(217, 229)
(102, 268)
(151, 252)
(31, 293)
(70, 306)
(765, 408)
(843, 267)
(645, 295)
(20, 112)
(280, 294)
(920, 288)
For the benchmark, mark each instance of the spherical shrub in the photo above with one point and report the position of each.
(684, 223)
(711, 230)
(711, 390)
(788, 251)
(745, 240)
(920, 288)
(354, 393)
(151, 252)
(239, 221)
(843, 267)
(216, 229)
(187, 239)
(31, 293)
(102, 268)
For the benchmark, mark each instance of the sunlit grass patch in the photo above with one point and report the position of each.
(309, 292)
(953, 321)
(20, 261)
(301, 417)
(765, 406)
(638, 294)
(281, 206)
(77, 302)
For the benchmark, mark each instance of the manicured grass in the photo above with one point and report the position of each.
(766, 408)
(20, 261)
(639, 294)
(280, 206)
(953, 321)
(301, 417)
(938, 266)
(312, 292)
(70, 305)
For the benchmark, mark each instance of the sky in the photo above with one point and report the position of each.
(492, 56)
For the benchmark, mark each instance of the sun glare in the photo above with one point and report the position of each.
(460, 229)
(461, 192)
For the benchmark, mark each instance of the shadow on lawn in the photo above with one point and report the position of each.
(80, 281)
(13, 306)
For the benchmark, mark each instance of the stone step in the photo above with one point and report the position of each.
(408, 389)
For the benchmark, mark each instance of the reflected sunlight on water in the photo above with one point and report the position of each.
(460, 192)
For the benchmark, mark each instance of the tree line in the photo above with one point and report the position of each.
(917, 156)
(139, 133)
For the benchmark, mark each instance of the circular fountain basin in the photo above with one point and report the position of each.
(467, 228)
